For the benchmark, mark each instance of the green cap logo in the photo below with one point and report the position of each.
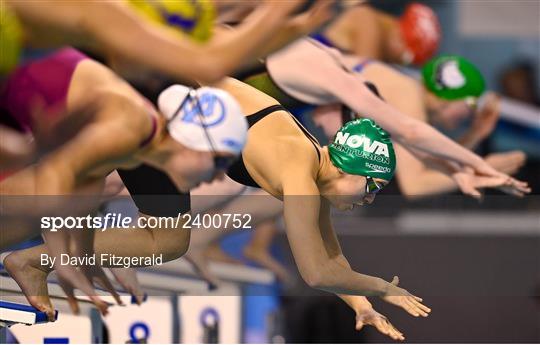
(363, 148)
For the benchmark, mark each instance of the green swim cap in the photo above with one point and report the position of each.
(363, 148)
(453, 78)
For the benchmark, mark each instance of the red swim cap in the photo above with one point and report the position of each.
(421, 32)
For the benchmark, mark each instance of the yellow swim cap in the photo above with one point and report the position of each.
(11, 36)
(192, 17)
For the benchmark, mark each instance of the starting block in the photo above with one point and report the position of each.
(14, 313)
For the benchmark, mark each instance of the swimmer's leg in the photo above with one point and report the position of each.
(25, 266)
(15, 230)
(254, 202)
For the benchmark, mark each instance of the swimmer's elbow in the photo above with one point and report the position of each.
(319, 275)
(313, 278)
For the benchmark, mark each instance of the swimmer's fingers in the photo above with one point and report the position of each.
(520, 185)
(310, 20)
(510, 190)
(515, 187)
(385, 327)
(409, 304)
(411, 308)
(417, 302)
(321, 11)
(466, 184)
(379, 321)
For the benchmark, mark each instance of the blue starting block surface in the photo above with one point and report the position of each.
(14, 313)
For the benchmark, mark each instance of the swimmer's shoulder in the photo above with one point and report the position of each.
(297, 155)
(251, 100)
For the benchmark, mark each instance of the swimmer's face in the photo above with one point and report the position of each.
(350, 191)
(192, 168)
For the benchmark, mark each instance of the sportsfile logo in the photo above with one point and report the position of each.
(356, 141)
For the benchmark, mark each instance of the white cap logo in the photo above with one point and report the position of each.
(451, 77)
(205, 107)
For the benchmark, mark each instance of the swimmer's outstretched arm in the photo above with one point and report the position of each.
(325, 77)
(317, 268)
(118, 29)
(405, 129)
(302, 212)
(416, 134)
(365, 314)
(331, 243)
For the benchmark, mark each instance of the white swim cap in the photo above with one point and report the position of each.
(221, 115)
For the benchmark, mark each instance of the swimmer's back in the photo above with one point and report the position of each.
(274, 141)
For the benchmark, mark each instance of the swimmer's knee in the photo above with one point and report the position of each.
(173, 247)
(174, 251)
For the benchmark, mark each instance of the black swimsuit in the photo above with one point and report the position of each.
(238, 171)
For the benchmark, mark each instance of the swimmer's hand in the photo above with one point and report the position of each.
(484, 121)
(369, 316)
(405, 300)
(470, 183)
(486, 117)
(318, 14)
(507, 184)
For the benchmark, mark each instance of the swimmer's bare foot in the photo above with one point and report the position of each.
(196, 256)
(127, 278)
(70, 278)
(32, 281)
(262, 257)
